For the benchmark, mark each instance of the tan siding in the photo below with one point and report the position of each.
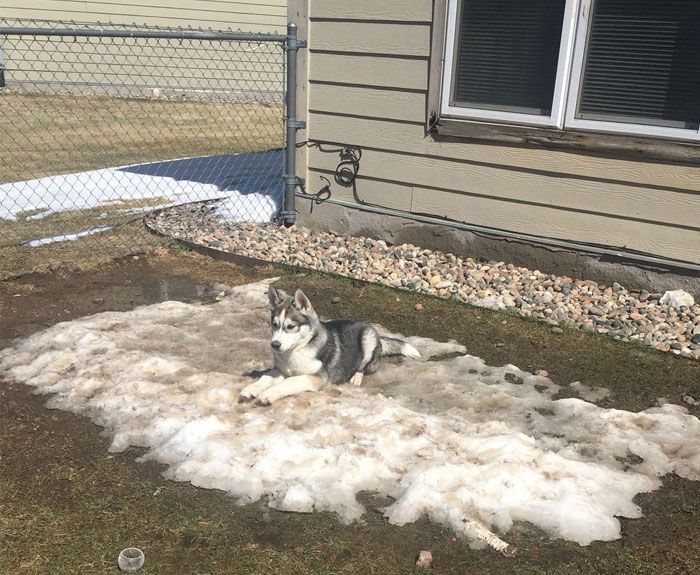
(410, 138)
(298, 11)
(370, 70)
(553, 223)
(264, 16)
(397, 10)
(533, 220)
(360, 101)
(359, 95)
(230, 67)
(371, 38)
(394, 196)
(569, 193)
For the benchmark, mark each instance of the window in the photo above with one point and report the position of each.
(621, 66)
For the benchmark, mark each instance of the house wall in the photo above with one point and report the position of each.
(136, 66)
(248, 15)
(367, 69)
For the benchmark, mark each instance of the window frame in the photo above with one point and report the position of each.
(555, 119)
(561, 125)
(626, 128)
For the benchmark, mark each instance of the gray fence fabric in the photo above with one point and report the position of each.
(102, 123)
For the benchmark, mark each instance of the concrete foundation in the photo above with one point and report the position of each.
(606, 270)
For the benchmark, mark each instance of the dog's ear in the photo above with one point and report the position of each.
(277, 296)
(301, 302)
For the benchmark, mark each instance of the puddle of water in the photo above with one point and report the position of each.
(148, 290)
(180, 289)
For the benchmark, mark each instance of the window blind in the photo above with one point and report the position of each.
(506, 55)
(643, 63)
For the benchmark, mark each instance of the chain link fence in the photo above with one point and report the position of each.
(100, 124)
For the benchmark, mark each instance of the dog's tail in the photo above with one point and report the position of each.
(394, 346)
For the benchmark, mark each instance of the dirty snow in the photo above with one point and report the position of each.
(471, 446)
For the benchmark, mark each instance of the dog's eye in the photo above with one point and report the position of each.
(291, 325)
(275, 323)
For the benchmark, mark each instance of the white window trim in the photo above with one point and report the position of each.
(556, 119)
(566, 89)
(632, 129)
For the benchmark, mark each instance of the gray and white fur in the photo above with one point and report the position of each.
(310, 354)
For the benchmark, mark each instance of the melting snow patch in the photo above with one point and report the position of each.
(248, 186)
(66, 237)
(471, 446)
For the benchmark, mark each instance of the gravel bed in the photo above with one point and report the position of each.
(558, 300)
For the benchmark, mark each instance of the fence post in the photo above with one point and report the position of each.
(291, 181)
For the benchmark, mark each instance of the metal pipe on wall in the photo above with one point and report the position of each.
(549, 242)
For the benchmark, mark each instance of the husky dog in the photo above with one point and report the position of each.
(309, 353)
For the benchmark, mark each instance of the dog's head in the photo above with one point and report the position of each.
(292, 318)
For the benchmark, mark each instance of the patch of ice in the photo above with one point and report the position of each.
(471, 446)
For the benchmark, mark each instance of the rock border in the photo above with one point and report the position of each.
(557, 300)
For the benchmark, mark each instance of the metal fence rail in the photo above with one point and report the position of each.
(101, 123)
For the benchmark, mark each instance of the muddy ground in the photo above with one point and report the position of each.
(68, 506)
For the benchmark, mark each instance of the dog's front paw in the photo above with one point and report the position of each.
(357, 378)
(247, 394)
(268, 397)
(252, 391)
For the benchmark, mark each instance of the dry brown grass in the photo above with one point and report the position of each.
(89, 252)
(127, 236)
(46, 135)
(29, 225)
